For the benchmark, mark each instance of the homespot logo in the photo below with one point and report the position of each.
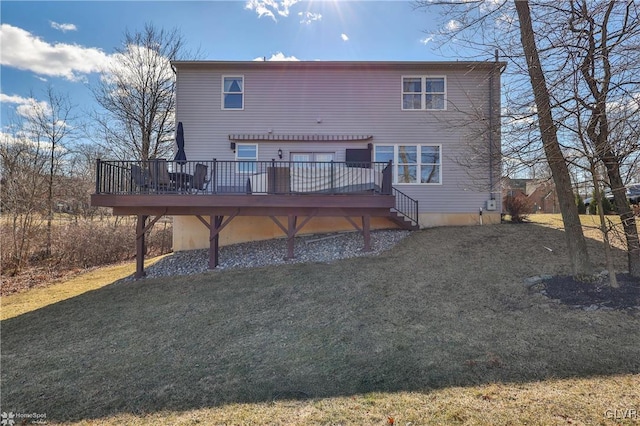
(10, 418)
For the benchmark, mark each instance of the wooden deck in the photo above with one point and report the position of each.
(116, 189)
(256, 205)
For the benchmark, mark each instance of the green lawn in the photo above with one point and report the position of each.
(439, 330)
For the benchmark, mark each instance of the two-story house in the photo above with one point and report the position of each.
(288, 147)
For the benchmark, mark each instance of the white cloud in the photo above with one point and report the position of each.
(270, 8)
(260, 8)
(308, 17)
(28, 108)
(63, 27)
(134, 61)
(26, 138)
(21, 138)
(426, 40)
(8, 138)
(13, 99)
(25, 51)
(344, 37)
(453, 25)
(25, 107)
(489, 6)
(278, 56)
(630, 104)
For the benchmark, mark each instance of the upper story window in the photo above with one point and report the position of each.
(412, 163)
(232, 92)
(246, 155)
(423, 93)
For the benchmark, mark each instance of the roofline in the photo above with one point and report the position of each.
(338, 64)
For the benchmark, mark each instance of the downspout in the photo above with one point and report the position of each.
(492, 191)
(491, 188)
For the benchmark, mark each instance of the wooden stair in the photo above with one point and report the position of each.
(403, 221)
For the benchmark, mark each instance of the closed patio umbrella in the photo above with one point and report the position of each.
(181, 157)
(182, 180)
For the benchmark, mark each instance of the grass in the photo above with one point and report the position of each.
(18, 304)
(550, 402)
(590, 224)
(439, 330)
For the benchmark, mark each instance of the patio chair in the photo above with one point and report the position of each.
(139, 178)
(200, 181)
(160, 179)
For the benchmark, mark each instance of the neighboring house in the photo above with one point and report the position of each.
(541, 193)
(274, 127)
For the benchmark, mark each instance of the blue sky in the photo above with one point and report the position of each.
(63, 44)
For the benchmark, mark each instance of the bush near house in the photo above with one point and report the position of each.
(519, 207)
(607, 206)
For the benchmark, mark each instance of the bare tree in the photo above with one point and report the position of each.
(578, 253)
(595, 44)
(81, 163)
(137, 94)
(485, 26)
(590, 55)
(48, 123)
(23, 192)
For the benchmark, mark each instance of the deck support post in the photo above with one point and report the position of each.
(366, 232)
(140, 246)
(215, 225)
(291, 232)
(214, 241)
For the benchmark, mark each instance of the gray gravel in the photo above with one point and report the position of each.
(308, 248)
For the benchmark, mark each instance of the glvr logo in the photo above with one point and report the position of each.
(8, 419)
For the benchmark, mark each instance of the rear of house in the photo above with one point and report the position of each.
(437, 122)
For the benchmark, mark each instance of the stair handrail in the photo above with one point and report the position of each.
(405, 205)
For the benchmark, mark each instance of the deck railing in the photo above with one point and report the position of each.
(242, 177)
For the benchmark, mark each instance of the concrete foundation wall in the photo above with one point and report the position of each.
(429, 220)
(190, 234)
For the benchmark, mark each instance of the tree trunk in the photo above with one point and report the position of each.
(597, 197)
(599, 82)
(50, 199)
(578, 255)
(626, 216)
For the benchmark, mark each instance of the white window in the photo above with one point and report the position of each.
(420, 164)
(246, 157)
(232, 92)
(407, 164)
(424, 93)
(303, 157)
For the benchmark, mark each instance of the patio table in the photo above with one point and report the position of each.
(181, 180)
